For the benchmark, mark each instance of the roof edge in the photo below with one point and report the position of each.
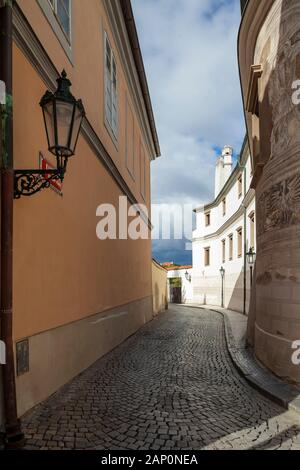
(139, 63)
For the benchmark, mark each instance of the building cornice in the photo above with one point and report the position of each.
(120, 16)
(244, 205)
(29, 44)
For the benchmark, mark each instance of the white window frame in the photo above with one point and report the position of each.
(240, 235)
(208, 219)
(224, 206)
(231, 246)
(223, 242)
(240, 185)
(110, 91)
(207, 256)
(252, 229)
(53, 4)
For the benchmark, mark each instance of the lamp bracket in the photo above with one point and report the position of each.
(29, 182)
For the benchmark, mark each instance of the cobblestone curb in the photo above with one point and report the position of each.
(254, 373)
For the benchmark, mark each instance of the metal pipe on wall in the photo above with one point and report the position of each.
(14, 435)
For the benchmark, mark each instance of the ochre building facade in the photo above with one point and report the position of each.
(76, 297)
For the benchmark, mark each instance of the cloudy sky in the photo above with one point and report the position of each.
(189, 49)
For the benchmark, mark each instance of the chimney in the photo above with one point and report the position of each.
(227, 156)
(223, 168)
(218, 177)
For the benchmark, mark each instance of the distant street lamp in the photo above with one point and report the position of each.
(63, 116)
(188, 276)
(251, 258)
(222, 272)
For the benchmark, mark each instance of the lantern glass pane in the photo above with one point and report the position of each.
(64, 114)
(76, 128)
(49, 123)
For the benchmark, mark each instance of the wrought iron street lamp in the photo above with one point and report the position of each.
(251, 258)
(188, 276)
(63, 116)
(222, 272)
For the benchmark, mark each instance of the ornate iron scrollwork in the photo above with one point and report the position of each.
(29, 182)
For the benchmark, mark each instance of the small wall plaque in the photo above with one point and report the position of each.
(22, 351)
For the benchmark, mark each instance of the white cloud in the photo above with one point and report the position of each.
(189, 49)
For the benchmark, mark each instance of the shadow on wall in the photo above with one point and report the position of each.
(185, 297)
(233, 290)
(234, 298)
(159, 288)
(274, 319)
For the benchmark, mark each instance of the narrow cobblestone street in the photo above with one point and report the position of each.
(170, 386)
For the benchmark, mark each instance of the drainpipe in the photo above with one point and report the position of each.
(243, 167)
(14, 436)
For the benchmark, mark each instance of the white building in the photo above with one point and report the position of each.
(225, 231)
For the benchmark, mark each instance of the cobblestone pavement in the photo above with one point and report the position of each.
(170, 386)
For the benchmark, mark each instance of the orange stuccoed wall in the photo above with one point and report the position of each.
(63, 274)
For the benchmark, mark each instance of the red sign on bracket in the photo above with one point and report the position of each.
(56, 185)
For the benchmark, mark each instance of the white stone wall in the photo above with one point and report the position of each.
(206, 280)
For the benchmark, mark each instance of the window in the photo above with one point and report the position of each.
(143, 170)
(230, 247)
(224, 206)
(111, 108)
(62, 10)
(207, 256)
(252, 229)
(207, 219)
(130, 139)
(240, 186)
(223, 251)
(240, 242)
